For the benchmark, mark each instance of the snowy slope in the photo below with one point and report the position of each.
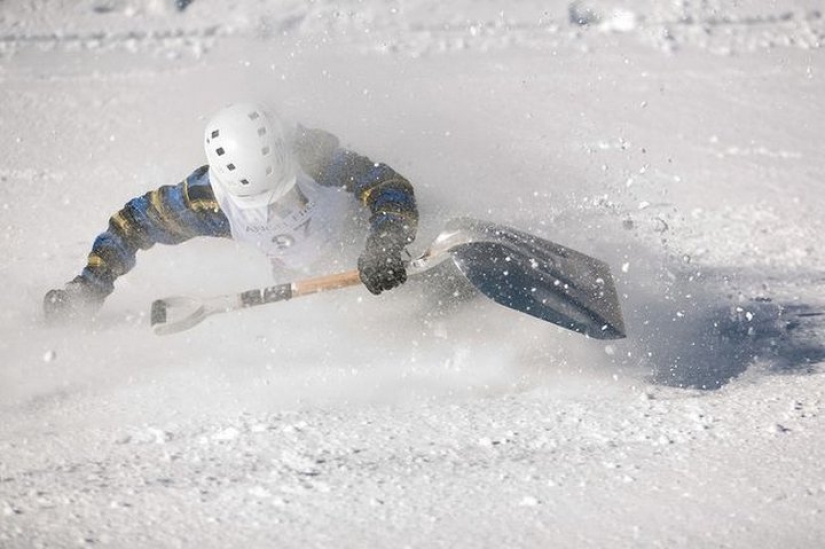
(679, 141)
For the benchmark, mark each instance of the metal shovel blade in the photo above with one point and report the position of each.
(539, 278)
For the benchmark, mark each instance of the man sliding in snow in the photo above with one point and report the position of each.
(275, 186)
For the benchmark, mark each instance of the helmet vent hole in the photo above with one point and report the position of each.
(219, 151)
(230, 167)
(254, 115)
(262, 131)
(265, 151)
(244, 182)
(215, 133)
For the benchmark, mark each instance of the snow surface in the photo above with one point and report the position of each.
(680, 141)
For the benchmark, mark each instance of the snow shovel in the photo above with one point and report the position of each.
(513, 268)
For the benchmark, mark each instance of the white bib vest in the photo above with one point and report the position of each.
(308, 226)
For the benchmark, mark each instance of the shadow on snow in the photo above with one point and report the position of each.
(703, 331)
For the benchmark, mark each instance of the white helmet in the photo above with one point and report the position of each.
(249, 155)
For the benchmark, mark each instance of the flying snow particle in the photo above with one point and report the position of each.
(620, 21)
(259, 492)
(49, 356)
(160, 436)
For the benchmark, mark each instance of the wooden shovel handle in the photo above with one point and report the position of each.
(324, 283)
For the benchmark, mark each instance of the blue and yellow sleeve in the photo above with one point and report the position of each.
(169, 215)
(389, 196)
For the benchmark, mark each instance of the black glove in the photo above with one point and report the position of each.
(76, 299)
(381, 264)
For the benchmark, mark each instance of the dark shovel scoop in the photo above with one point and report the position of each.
(545, 280)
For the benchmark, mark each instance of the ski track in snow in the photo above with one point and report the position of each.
(679, 141)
